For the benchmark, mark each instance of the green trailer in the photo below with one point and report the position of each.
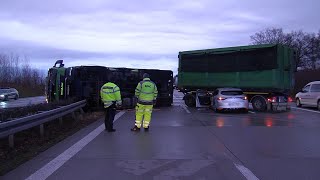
(261, 71)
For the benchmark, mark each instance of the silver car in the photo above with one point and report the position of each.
(8, 93)
(229, 99)
(309, 95)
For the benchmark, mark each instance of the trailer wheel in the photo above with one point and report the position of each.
(190, 100)
(259, 103)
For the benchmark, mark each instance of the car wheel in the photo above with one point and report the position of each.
(259, 104)
(298, 103)
(319, 105)
(15, 97)
(6, 98)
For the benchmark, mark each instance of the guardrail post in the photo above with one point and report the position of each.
(41, 130)
(11, 140)
(81, 111)
(73, 116)
(81, 114)
(60, 121)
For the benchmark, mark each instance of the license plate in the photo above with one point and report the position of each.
(279, 104)
(279, 108)
(233, 104)
(282, 108)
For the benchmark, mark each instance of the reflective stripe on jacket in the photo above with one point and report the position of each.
(146, 92)
(110, 93)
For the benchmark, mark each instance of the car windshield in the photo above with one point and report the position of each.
(231, 93)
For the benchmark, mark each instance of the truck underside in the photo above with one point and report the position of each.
(84, 82)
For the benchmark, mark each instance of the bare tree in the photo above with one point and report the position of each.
(312, 50)
(272, 36)
(16, 72)
(306, 45)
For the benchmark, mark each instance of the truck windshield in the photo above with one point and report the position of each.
(230, 93)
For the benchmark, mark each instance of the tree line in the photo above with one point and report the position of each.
(307, 45)
(16, 72)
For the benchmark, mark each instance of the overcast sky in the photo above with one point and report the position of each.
(140, 34)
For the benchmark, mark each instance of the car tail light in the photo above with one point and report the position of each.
(221, 98)
(290, 99)
(272, 99)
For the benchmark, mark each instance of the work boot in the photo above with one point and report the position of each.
(135, 128)
(146, 129)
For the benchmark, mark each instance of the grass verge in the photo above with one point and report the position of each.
(29, 144)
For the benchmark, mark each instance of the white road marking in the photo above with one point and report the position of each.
(185, 108)
(57, 162)
(251, 112)
(306, 110)
(246, 172)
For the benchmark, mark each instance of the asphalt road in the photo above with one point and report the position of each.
(187, 143)
(22, 102)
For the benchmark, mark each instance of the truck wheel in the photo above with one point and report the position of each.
(190, 100)
(259, 104)
(298, 103)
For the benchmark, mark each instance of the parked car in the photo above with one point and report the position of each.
(8, 93)
(229, 99)
(309, 95)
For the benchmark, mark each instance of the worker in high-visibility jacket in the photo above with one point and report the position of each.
(111, 98)
(146, 93)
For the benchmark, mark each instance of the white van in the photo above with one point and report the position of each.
(309, 95)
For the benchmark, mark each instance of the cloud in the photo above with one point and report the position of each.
(141, 33)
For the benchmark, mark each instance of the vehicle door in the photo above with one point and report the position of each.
(314, 94)
(305, 96)
(214, 97)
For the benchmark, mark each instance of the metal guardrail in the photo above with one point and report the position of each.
(11, 127)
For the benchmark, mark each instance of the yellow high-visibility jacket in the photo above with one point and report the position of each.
(146, 92)
(110, 93)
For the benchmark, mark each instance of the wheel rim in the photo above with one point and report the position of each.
(298, 102)
(257, 104)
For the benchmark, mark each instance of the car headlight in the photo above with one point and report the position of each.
(1, 95)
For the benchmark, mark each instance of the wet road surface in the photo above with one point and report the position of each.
(22, 102)
(188, 143)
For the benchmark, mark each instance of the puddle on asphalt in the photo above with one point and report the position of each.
(267, 122)
(248, 121)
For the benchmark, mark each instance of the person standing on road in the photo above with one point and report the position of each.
(111, 98)
(146, 92)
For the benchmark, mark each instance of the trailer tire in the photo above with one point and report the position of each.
(259, 104)
(190, 100)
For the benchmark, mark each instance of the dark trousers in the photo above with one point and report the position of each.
(110, 113)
